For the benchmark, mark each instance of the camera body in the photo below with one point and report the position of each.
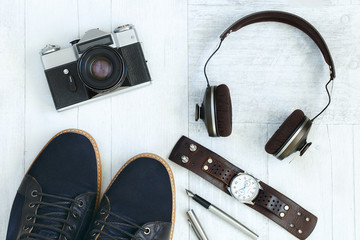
(97, 65)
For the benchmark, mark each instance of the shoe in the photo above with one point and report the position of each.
(139, 203)
(58, 195)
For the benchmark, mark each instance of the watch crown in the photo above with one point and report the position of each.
(228, 188)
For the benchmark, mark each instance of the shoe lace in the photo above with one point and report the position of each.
(51, 217)
(102, 234)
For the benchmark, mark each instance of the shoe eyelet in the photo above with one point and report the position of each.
(75, 215)
(102, 212)
(28, 218)
(80, 203)
(34, 193)
(31, 205)
(26, 228)
(147, 231)
(70, 228)
(97, 223)
(93, 234)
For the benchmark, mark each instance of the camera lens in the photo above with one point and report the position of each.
(101, 68)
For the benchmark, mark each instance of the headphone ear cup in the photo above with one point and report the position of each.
(291, 136)
(207, 111)
(223, 110)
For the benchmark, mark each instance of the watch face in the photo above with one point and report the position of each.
(244, 187)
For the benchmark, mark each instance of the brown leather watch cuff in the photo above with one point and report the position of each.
(285, 212)
(218, 171)
(196, 158)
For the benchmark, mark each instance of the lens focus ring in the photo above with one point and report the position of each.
(102, 69)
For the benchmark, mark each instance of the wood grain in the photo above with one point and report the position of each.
(43, 26)
(356, 168)
(271, 70)
(342, 182)
(12, 102)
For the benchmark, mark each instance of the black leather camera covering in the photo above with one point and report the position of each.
(137, 71)
(60, 87)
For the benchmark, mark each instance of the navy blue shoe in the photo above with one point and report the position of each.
(58, 195)
(139, 203)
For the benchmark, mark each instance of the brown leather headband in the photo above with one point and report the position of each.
(287, 18)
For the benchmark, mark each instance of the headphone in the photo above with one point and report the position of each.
(216, 110)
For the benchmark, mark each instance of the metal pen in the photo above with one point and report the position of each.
(220, 213)
(196, 225)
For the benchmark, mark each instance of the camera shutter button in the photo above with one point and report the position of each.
(49, 49)
(71, 82)
(123, 28)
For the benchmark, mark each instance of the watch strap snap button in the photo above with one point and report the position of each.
(184, 159)
(193, 147)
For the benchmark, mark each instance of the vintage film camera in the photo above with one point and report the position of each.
(99, 64)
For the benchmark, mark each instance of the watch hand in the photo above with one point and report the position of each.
(245, 185)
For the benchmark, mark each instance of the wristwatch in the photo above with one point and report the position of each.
(244, 187)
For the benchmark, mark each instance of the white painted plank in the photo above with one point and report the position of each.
(342, 142)
(153, 118)
(95, 117)
(276, 3)
(356, 132)
(45, 25)
(12, 65)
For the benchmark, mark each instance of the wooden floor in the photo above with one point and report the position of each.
(270, 68)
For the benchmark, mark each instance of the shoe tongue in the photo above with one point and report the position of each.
(51, 212)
